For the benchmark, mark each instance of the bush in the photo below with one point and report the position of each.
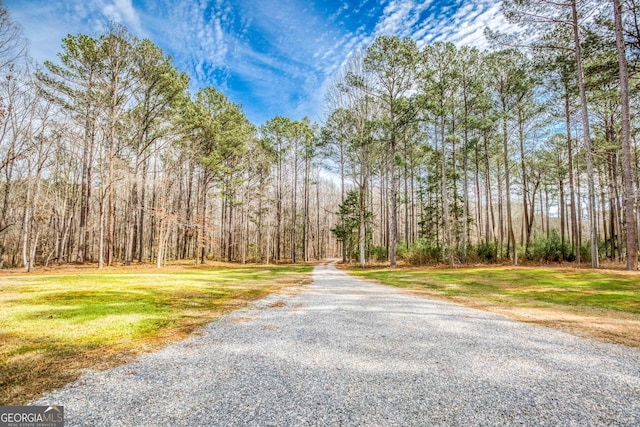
(401, 249)
(485, 252)
(585, 250)
(378, 253)
(420, 252)
(549, 249)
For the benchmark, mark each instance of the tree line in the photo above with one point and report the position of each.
(108, 158)
(526, 151)
(428, 154)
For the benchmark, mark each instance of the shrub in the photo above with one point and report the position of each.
(378, 253)
(585, 250)
(549, 249)
(420, 252)
(485, 251)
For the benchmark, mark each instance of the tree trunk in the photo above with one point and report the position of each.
(101, 235)
(244, 237)
(478, 193)
(595, 262)
(525, 188)
(87, 160)
(445, 198)
(188, 231)
(500, 245)
(405, 177)
(575, 244)
(362, 232)
(393, 237)
(112, 143)
(318, 255)
(547, 212)
(230, 228)
(305, 229)
(342, 189)
(562, 209)
(27, 222)
(279, 204)
(616, 202)
(511, 241)
(202, 240)
(489, 230)
(465, 190)
(294, 202)
(133, 210)
(627, 177)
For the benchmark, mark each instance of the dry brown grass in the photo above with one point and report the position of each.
(604, 325)
(602, 304)
(58, 322)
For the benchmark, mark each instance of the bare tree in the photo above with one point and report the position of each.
(13, 46)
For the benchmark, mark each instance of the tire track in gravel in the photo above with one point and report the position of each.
(343, 351)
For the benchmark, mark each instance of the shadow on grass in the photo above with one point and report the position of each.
(55, 326)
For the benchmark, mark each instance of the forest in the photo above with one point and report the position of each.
(523, 152)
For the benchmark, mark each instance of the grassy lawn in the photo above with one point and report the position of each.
(603, 304)
(52, 326)
(522, 285)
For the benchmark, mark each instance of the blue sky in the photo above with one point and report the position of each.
(271, 56)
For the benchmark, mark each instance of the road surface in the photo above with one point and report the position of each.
(344, 352)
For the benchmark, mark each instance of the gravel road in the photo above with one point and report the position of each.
(345, 352)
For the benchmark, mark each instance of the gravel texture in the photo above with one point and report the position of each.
(342, 351)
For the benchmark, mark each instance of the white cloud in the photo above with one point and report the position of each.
(467, 25)
(47, 22)
(461, 22)
(195, 31)
(283, 53)
(399, 17)
(123, 12)
(429, 21)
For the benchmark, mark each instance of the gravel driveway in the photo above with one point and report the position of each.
(342, 351)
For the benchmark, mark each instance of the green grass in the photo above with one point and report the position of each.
(521, 286)
(54, 325)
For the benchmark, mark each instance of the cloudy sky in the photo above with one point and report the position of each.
(271, 56)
